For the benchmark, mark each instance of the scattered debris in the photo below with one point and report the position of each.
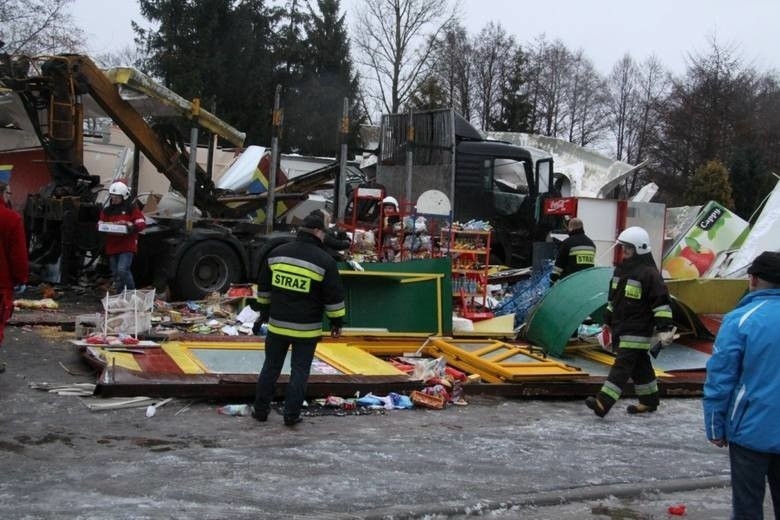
(117, 403)
(234, 410)
(79, 389)
(42, 304)
(74, 372)
(151, 410)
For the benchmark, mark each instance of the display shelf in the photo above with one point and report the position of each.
(470, 253)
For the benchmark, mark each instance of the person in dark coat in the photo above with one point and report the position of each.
(576, 253)
(638, 306)
(298, 281)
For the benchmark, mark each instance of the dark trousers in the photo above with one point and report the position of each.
(300, 365)
(749, 472)
(633, 364)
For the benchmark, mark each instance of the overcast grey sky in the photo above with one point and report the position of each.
(605, 29)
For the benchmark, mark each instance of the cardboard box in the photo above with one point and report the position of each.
(105, 227)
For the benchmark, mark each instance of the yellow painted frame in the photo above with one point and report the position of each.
(494, 369)
(342, 356)
(606, 359)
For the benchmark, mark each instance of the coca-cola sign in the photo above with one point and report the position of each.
(560, 206)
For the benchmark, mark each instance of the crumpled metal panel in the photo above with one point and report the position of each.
(568, 303)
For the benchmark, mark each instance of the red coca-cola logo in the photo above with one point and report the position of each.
(560, 206)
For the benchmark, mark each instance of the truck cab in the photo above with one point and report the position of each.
(494, 181)
(502, 183)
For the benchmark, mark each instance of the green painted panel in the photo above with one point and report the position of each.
(563, 308)
(386, 303)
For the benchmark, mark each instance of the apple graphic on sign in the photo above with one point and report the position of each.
(701, 257)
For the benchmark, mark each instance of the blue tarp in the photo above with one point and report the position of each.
(525, 294)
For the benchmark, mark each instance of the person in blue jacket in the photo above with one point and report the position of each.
(742, 391)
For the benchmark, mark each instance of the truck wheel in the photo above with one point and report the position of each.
(206, 267)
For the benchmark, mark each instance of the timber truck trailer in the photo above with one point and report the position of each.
(222, 247)
(488, 180)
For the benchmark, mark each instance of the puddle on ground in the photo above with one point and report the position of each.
(49, 438)
(10, 446)
(160, 445)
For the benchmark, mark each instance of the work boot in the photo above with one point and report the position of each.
(594, 404)
(259, 415)
(292, 420)
(640, 408)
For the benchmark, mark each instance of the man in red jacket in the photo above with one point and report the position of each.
(121, 220)
(13, 260)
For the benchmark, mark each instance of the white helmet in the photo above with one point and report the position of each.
(636, 237)
(390, 200)
(119, 188)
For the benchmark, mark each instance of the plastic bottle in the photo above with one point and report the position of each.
(234, 409)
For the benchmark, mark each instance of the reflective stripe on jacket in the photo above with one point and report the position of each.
(638, 303)
(576, 253)
(298, 282)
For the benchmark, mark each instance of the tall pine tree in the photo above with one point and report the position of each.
(313, 114)
(218, 51)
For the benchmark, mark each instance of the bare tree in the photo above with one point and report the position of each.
(553, 65)
(584, 101)
(652, 87)
(452, 67)
(394, 40)
(493, 52)
(127, 56)
(36, 27)
(533, 86)
(622, 88)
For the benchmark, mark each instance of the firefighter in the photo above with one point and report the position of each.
(638, 303)
(391, 214)
(576, 253)
(121, 245)
(298, 281)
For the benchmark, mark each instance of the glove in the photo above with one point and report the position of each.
(335, 331)
(19, 289)
(667, 337)
(605, 338)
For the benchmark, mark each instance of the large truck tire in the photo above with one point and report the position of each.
(206, 267)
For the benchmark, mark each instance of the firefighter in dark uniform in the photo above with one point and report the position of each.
(638, 304)
(298, 281)
(576, 253)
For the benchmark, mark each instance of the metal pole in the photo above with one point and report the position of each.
(212, 147)
(453, 158)
(192, 166)
(277, 123)
(136, 170)
(341, 189)
(409, 156)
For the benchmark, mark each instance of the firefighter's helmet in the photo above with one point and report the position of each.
(391, 200)
(119, 188)
(637, 238)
